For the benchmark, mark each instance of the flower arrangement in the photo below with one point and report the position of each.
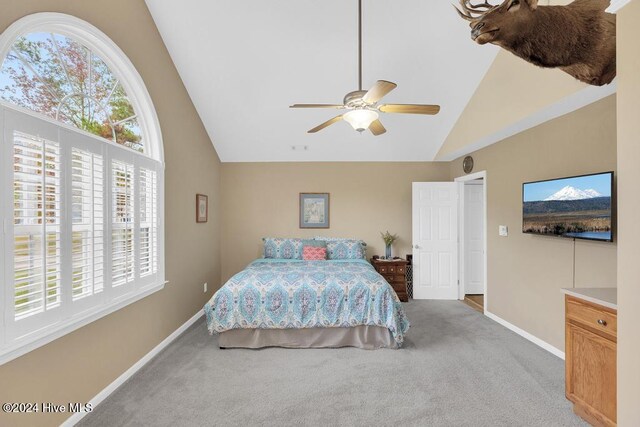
(388, 238)
(388, 241)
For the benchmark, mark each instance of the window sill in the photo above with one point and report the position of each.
(52, 332)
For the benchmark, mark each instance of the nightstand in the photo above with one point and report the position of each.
(395, 272)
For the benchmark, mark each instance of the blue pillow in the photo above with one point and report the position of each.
(282, 248)
(339, 239)
(346, 249)
(314, 243)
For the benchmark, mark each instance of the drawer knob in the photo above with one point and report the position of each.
(602, 322)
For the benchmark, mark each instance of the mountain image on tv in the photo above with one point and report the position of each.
(578, 207)
(571, 193)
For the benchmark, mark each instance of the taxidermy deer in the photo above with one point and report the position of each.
(579, 38)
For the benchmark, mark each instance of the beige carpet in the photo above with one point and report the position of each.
(457, 368)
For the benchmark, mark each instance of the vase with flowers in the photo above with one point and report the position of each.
(388, 241)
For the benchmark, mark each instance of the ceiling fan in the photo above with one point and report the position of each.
(363, 105)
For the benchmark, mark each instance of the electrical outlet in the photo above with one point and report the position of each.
(503, 230)
(205, 287)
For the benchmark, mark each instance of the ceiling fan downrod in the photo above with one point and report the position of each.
(359, 45)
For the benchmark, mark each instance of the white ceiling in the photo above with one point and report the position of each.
(244, 62)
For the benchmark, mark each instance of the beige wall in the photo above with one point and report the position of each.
(526, 272)
(79, 365)
(512, 90)
(628, 214)
(261, 199)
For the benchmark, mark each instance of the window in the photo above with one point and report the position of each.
(81, 179)
(57, 76)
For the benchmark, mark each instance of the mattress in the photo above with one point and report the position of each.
(275, 294)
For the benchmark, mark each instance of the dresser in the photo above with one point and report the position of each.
(395, 272)
(591, 330)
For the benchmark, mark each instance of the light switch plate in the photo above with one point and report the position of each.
(503, 230)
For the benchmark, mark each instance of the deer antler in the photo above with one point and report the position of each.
(471, 12)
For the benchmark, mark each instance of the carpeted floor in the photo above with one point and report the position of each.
(457, 368)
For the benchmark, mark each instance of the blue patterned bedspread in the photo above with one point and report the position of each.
(282, 294)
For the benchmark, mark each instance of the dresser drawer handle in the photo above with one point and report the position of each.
(602, 322)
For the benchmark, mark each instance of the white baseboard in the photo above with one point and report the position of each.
(551, 349)
(98, 398)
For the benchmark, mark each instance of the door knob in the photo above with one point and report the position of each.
(416, 246)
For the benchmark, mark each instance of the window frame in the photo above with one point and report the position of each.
(68, 136)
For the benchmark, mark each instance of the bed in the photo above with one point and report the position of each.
(307, 304)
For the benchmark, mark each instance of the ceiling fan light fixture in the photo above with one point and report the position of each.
(362, 105)
(360, 119)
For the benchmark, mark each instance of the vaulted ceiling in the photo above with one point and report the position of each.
(244, 62)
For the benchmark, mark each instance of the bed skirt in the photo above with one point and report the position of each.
(365, 337)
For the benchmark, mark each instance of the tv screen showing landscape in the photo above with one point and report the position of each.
(577, 207)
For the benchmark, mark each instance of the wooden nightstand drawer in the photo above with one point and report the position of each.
(592, 316)
(394, 278)
(394, 272)
(399, 286)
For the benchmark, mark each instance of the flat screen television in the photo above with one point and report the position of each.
(577, 207)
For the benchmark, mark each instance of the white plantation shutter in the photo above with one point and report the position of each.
(36, 218)
(148, 222)
(83, 229)
(123, 223)
(87, 232)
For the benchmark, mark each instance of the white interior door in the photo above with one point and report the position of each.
(473, 277)
(435, 240)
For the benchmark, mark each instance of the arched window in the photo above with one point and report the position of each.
(81, 190)
(57, 76)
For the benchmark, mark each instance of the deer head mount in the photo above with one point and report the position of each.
(579, 38)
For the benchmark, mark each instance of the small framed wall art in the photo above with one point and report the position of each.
(314, 210)
(202, 208)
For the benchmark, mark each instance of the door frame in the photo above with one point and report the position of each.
(461, 212)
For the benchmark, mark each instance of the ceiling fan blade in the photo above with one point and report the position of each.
(325, 124)
(410, 109)
(316, 106)
(380, 89)
(376, 128)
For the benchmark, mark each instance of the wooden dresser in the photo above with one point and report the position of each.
(395, 272)
(590, 354)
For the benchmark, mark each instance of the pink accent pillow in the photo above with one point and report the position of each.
(312, 253)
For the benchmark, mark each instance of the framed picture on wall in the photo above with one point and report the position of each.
(202, 208)
(314, 210)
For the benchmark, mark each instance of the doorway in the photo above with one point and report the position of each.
(449, 240)
(472, 227)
